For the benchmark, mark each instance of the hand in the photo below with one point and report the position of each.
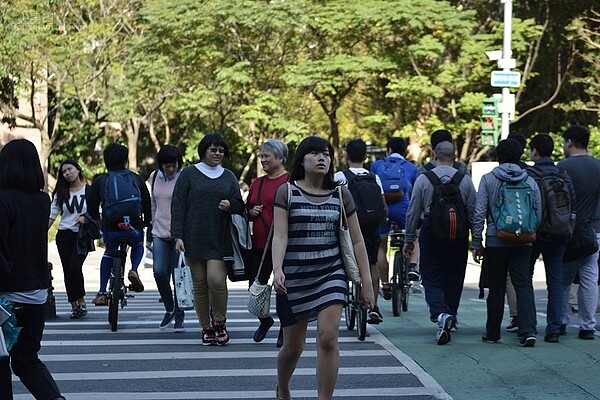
(224, 205)
(279, 282)
(81, 220)
(408, 249)
(179, 245)
(478, 255)
(255, 211)
(367, 297)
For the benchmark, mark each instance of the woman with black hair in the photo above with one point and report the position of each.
(24, 276)
(69, 201)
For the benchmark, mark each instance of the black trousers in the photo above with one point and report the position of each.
(72, 263)
(24, 357)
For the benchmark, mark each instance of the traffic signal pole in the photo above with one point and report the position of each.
(506, 56)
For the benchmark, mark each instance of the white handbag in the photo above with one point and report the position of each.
(346, 245)
(184, 287)
(259, 299)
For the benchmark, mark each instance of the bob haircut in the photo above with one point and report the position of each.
(20, 167)
(308, 145)
(169, 154)
(277, 147)
(115, 156)
(212, 139)
(62, 189)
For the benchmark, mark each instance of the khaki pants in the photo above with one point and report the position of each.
(210, 290)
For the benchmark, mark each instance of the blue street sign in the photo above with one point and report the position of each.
(506, 79)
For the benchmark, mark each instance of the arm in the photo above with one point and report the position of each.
(54, 211)
(93, 198)
(178, 204)
(280, 239)
(146, 206)
(360, 252)
(479, 220)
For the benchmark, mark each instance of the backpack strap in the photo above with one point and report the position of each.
(433, 178)
(458, 177)
(349, 175)
(429, 166)
(154, 180)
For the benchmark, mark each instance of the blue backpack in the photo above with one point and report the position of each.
(122, 200)
(514, 215)
(393, 178)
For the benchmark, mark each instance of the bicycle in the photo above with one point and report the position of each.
(355, 312)
(117, 293)
(400, 283)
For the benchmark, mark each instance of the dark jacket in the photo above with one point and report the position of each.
(23, 240)
(86, 235)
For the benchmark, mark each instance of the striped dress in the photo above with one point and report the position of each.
(314, 274)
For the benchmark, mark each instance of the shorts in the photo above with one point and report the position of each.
(372, 241)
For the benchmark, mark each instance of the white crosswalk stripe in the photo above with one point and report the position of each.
(139, 361)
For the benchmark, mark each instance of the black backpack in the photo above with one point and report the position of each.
(367, 199)
(122, 199)
(448, 212)
(558, 220)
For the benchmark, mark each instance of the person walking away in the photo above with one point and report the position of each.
(372, 212)
(69, 200)
(584, 170)
(443, 204)
(494, 201)
(121, 216)
(165, 258)
(24, 275)
(397, 176)
(308, 274)
(205, 196)
(556, 227)
(261, 196)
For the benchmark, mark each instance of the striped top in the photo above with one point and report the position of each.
(314, 274)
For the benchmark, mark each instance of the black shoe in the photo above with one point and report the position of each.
(551, 338)
(488, 339)
(413, 274)
(280, 338)
(586, 335)
(563, 330)
(386, 291)
(263, 328)
(527, 341)
(82, 310)
(375, 316)
(74, 314)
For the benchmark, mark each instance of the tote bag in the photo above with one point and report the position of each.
(346, 245)
(184, 287)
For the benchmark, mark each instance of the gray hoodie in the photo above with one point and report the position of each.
(487, 196)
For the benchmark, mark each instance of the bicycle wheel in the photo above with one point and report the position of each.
(361, 313)
(406, 285)
(114, 296)
(349, 311)
(397, 283)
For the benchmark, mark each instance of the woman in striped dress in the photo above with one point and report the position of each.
(309, 276)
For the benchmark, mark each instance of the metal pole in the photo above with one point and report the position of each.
(506, 55)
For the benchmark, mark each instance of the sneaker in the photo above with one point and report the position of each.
(82, 310)
(513, 326)
(74, 314)
(221, 335)
(445, 323)
(136, 283)
(374, 316)
(386, 291)
(263, 328)
(100, 299)
(454, 326)
(179, 326)
(586, 334)
(563, 330)
(413, 273)
(208, 337)
(527, 341)
(166, 321)
(551, 337)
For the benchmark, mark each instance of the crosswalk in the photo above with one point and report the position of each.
(139, 361)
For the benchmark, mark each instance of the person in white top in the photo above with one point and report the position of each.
(69, 201)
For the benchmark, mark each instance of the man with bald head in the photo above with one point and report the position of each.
(443, 261)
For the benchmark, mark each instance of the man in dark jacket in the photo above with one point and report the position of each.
(552, 252)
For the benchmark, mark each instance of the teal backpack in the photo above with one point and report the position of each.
(514, 215)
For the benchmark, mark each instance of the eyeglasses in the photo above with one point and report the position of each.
(215, 150)
(170, 166)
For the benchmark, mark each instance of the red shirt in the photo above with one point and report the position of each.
(262, 223)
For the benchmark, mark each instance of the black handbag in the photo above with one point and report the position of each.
(583, 243)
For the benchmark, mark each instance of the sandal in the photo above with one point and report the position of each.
(74, 314)
(100, 299)
(82, 310)
(277, 394)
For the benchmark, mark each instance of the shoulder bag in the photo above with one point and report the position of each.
(259, 299)
(346, 245)
(184, 287)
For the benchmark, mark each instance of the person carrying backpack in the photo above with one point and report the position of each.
(397, 177)
(371, 209)
(504, 254)
(556, 227)
(443, 204)
(126, 210)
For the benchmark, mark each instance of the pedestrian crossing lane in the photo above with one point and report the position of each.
(139, 361)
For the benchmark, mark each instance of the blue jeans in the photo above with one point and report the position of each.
(111, 242)
(24, 356)
(165, 259)
(587, 294)
(552, 254)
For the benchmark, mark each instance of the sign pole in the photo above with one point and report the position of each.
(506, 55)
